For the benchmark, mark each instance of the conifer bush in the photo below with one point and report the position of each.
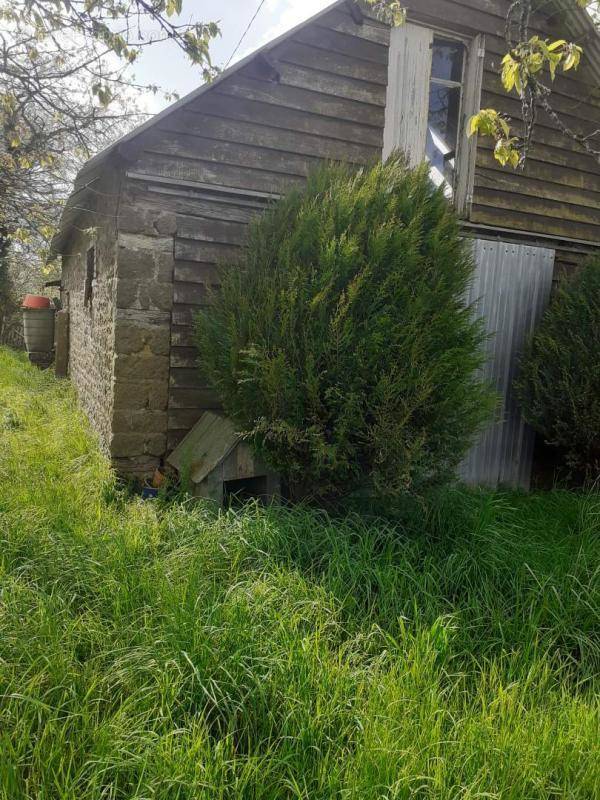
(341, 345)
(559, 383)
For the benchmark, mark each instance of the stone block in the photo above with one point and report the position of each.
(148, 294)
(139, 467)
(135, 337)
(136, 395)
(148, 244)
(144, 265)
(128, 445)
(135, 218)
(128, 295)
(141, 366)
(160, 295)
(139, 421)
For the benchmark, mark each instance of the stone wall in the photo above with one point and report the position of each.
(144, 297)
(91, 345)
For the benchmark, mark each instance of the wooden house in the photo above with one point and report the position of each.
(151, 218)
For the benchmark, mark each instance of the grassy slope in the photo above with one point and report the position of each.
(171, 653)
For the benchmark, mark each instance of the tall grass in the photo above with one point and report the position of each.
(168, 651)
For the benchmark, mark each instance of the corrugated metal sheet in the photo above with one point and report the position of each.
(510, 290)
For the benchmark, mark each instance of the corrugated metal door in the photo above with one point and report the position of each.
(510, 291)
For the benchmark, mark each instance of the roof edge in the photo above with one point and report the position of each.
(205, 87)
(579, 16)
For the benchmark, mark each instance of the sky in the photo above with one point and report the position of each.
(165, 65)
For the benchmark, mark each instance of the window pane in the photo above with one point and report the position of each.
(447, 60)
(442, 133)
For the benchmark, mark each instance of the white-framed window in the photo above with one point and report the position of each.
(434, 86)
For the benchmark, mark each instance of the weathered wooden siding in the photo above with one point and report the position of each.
(559, 191)
(321, 95)
(509, 291)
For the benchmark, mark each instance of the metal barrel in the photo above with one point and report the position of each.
(38, 325)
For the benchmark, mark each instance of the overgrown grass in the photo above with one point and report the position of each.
(154, 651)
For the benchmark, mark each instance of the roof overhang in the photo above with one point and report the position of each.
(81, 204)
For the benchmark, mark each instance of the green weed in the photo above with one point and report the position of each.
(169, 651)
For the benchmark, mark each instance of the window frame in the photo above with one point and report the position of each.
(450, 84)
(471, 86)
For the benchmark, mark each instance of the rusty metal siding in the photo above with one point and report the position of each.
(510, 290)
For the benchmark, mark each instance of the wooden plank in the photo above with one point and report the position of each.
(182, 336)
(341, 21)
(332, 41)
(204, 273)
(184, 357)
(284, 118)
(408, 92)
(193, 293)
(187, 378)
(552, 137)
(542, 170)
(346, 66)
(493, 95)
(500, 211)
(206, 252)
(581, 112)
(495, 10)
(159, 198)
(303, 100)
(257, 134)
(210, 441)
(576, 84)
(183, 315)
(536, 204)
(471, 18)
(218, 192)
(194, 171)
(212, 230)
(185, 419)
(527, 186)
(225, 152)
(192, 399)
(329, 84)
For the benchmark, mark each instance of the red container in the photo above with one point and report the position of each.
(36, 301)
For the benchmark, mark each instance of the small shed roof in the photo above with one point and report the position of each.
(206, 446)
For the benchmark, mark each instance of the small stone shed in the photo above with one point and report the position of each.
(152, 217)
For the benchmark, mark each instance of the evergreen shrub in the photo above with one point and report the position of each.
(341, 345)
(559, 383)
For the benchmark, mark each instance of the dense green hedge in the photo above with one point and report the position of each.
(342, 345)
(559, 385)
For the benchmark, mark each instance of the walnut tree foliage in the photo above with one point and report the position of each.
(559, 384)
(341, 344)
(528, 71)
(67, 89)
